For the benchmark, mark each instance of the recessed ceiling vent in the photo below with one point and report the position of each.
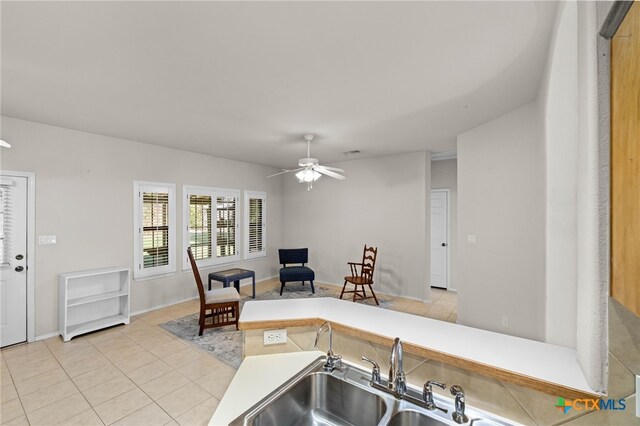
(352, 152)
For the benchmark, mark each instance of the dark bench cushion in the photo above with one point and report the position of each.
(296, 273)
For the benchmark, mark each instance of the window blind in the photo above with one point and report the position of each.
(5, 224)
(255, 210)
(255, 225)
(200, 226)
(226, 226)
(155, 229)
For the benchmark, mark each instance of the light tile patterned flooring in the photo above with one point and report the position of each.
(138, 374)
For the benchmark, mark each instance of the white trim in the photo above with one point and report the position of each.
(46, 336)
(144, 311)
(448, 155)
(31, 250)
(448, 217)
(378, 291)
(138, 188)
(154, 308)
(247, 196)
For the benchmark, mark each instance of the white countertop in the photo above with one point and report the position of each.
(256, 378)
(543, 361)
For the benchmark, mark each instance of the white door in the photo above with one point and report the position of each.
(439, 239)
(13, 260)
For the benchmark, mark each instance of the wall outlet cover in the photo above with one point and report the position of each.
(46, 239)
(505, 322)
(275, 337)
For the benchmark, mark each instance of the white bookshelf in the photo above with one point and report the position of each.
(92, 300)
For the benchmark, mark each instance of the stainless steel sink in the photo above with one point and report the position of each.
(346, 397)
(322, 399)
(414, 418)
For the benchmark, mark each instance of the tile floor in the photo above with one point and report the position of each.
(138, 374)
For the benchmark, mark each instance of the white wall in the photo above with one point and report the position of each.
(558, 100)
(444, 175)
(501, 200)
(381, 203)
(84, 187)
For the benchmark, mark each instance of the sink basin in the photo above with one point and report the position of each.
(346, 397)
(322, 399)
(414, 418)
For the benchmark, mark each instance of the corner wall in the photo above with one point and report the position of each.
(558, 100)
(381, 203)
(501, 201)
(84, 195)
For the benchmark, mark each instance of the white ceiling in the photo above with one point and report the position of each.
(245, 80)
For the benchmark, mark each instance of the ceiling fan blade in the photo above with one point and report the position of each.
(324, 171)
(285, 171)
(333, 169)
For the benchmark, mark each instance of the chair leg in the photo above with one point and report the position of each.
(343, 287)
(281, 287)
(313, 290)
(374, 295)
(202, 317)
(236, 315)
(355, 291)
(302, 282)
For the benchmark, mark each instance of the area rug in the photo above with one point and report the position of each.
(225, 343)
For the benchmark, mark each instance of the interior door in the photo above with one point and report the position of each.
(439, 239)
(13, 260)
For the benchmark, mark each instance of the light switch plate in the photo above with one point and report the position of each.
(471, 238)
(46, 239)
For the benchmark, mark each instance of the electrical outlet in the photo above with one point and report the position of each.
(275, 337)
(505, 322)
(46, 239)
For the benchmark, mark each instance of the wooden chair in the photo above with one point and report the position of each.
(224, 303)
(363, 277)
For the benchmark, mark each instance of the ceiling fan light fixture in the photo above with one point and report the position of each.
(308, 175)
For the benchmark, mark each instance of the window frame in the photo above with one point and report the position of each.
(248, 195)
(138, 246)
(214, 193)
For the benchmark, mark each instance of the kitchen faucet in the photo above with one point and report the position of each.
(333, 361)
(397, 381)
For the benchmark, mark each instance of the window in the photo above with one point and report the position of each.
(154, 228)
(212, 225)
(255, 206)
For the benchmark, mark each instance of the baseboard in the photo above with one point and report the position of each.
(46, 336)
(379, 292)
(154, 308)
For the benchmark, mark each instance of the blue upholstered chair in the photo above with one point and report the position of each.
(295, 273)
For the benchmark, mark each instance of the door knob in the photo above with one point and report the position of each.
(19, 269)
(444, 244)
(19, 257)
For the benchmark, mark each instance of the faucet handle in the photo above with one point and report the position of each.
(427, 395)
(434, 383)
(375, 372)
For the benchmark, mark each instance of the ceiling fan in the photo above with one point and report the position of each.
(310, 170)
